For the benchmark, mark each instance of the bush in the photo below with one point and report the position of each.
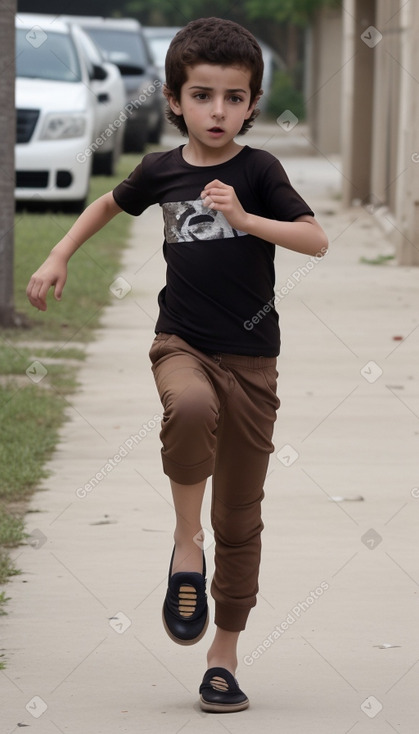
(284, 96)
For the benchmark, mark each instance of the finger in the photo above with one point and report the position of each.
(36, 303)
(37, 295)
(215, 185)
(42, 294)
(217, 190)
(32, 292)
(209, 192)
(216, 196)
(29, 289)
(58, 290)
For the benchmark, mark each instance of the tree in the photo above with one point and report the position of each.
(7, 176)
(291, 16)
(295, 12)
(167, 12)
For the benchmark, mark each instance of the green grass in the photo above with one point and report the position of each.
(31, 416)
(15, 359)
(379, 260)
(31, 413)
(90, 272)
(11, 528)
(61, 353)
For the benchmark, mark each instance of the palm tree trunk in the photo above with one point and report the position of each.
(7, 175)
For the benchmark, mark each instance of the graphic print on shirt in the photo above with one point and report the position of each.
(188, 221)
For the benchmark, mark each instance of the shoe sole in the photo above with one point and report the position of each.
(178, 640)
(223, 708)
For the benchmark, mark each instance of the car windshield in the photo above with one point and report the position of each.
(41, 55)
(121, 47)
(159, 48)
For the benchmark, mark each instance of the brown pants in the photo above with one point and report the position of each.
(219, 412)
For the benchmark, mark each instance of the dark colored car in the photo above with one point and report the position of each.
(123, 43)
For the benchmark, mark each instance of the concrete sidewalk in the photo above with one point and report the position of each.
(332, 646)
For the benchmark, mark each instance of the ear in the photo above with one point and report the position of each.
(254, 104)
(174, 104)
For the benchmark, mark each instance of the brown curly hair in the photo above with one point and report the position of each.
(212, 41)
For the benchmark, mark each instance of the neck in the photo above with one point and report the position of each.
(199, 156)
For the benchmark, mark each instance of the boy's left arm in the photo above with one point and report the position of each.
(303, 235)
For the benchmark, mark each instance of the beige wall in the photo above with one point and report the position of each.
(357, 107)
(406, 209)
(380, 117)
(324, 80)
(386, 107)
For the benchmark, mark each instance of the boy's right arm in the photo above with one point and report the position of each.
(53, 272)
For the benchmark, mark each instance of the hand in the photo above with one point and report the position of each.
(223, 198)
(53, 272)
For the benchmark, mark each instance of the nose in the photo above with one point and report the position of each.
(218, 108)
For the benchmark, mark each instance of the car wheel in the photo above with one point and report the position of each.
(135, 141)
(156, 132)
(77, 206)
(104, 164)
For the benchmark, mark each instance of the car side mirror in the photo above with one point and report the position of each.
(130, 69)
(98, 72)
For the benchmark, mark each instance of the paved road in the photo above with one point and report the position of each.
(332, 646)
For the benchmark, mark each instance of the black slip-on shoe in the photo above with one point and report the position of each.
(220, 692)
(185, 608)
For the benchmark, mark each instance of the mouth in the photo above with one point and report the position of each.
(216, 130)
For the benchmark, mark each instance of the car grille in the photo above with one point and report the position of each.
(32, 179)
(26, 121)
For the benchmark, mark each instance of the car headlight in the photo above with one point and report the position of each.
(62, 126)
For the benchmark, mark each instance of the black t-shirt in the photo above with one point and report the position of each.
(217, 277)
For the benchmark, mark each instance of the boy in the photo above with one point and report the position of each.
(225, 207)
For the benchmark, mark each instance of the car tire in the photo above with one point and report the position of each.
(104, 164)
(77, 206)
(156, 133)
(135, 141)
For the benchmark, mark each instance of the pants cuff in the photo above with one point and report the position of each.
(232, 619)
(187, 474)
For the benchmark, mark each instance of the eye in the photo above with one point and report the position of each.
(236, 99)
(201, 96)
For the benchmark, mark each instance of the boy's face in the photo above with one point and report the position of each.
(214, 101)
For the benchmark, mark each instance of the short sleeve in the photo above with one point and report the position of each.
(135, 193)
(283, 202)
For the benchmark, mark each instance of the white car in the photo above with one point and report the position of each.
(111, 116)
(57, 111)
(122, 41)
